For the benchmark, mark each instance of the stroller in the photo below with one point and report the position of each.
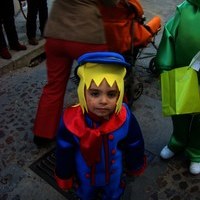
(127, 33)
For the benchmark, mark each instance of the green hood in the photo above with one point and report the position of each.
(195, 2)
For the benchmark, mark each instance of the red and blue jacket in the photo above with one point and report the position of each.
(95, 153)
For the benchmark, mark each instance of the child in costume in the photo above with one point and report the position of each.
(94, 135)
(179, 44)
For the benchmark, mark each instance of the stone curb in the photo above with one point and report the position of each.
(22, 58)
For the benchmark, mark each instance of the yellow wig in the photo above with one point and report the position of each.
(98, 72)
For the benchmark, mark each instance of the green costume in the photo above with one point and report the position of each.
(179, 44)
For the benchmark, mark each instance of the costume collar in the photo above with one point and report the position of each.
(90, 138)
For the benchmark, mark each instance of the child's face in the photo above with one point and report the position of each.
(102, 100)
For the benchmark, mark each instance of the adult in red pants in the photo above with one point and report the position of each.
(73, 28)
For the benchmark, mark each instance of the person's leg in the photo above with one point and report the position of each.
(9, 25)
(9, 22)
(181, 129)
(179, 137)
(43, 15)
(2, 38)
(4, 53)
(86, 192)
(193, 148)
(112, 191)
(51, 101)
(31, 22)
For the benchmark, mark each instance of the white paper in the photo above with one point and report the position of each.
(195, 63)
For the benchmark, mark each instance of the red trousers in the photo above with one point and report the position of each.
(60, 55)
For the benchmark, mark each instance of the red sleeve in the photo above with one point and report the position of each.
(139, 171)
(64, 184)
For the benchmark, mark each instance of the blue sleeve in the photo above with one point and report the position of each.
(65, 150)
(134, 146)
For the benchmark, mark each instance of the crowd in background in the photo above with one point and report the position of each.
(8, 32)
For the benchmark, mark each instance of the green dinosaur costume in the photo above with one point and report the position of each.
(180, 42)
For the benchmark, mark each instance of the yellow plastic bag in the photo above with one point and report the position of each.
(180, 91)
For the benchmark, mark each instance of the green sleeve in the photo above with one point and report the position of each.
(165, 57)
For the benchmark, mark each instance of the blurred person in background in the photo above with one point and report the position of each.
(36, 7)
(8, 22)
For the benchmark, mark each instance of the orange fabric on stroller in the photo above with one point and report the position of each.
(124, 26)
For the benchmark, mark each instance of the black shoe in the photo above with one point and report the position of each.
(40, 141)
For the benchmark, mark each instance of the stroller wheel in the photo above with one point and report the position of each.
(152, 66)
(137, 90)
(135, 93)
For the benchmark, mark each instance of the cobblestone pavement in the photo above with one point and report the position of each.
(19, 94)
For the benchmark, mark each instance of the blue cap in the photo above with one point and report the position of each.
(104, 58)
